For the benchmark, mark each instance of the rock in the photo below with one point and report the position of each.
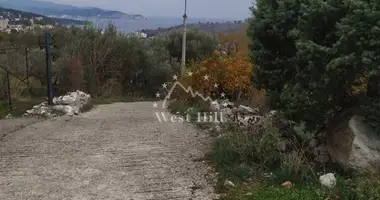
(355, 145)
(227, 104)
(245, 120)
(215, 106)
(328, 180)
(69, 99)
(248, 194)
(70, 105)
(249, 120)
(228, 114)
(287, 185)
(244, 110)
(228, 184)
(9, 116)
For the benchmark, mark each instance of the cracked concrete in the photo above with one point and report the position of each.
(118, 151)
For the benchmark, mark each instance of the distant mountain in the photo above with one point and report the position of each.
(211, 27)
(14, 17)
(65, 11)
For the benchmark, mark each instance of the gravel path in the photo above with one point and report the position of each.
(118, 151)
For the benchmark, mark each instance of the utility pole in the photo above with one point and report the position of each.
(183, 61)
(48, 68)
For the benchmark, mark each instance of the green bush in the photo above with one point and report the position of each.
(200, 45)
(370, 109)
(105, 64)
(237, 154)
(309, 54)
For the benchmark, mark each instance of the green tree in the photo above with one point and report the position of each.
(273, 48)
(200, 44)
(309, 54)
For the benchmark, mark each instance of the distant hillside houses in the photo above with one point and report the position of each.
(18, 21)
(20, 24)
(4, 24)
(138, 34)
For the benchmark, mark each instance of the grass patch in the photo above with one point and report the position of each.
(19, 106)
(270, 192)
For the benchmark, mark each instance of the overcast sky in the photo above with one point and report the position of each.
(226, 9)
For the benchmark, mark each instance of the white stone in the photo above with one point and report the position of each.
(328, 180)
(229, 184)
(68, 100)
(215, 106)
(245, 110)
(70, 104)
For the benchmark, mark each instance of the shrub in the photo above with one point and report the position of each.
(364, 188)
(200, 45)
(295, 167)
(238, 152)
(307, 55)
(232, 75)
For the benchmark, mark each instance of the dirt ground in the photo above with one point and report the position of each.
(117, 151)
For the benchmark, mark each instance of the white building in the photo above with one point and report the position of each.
(3, 24)
(140, 34)
(16, 27)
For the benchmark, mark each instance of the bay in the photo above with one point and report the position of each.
(128, 26)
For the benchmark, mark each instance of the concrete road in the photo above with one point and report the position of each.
(118, 151)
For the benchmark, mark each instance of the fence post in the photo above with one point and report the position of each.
(48, 68)
(9, 92)
(27, 70)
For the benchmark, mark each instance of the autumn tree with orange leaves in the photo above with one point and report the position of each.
(220, 74)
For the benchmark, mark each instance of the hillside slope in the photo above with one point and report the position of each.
(216, 27)
(64, 11)
(13, 14)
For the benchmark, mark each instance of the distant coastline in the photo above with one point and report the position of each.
(150, 22)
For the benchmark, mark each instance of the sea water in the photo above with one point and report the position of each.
(149, 23)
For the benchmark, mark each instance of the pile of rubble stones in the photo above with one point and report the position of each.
(69, 104)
